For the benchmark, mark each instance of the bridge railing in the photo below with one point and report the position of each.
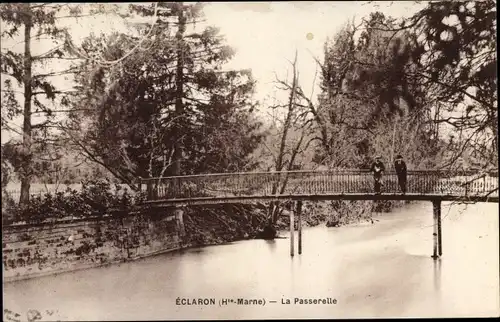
(442, 182)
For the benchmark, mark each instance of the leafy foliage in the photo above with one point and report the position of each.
(366, 90)
(26, 78)
(95, 199)
(456, 50)
(132, 123)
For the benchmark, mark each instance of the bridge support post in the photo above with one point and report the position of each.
(292, 233)
(437, 249)
(179, 218)
(299, 213)
(440, 236)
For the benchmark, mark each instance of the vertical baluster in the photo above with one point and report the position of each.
(261, 184)
(326, 175)
(437, 179)
(415, 182)
(239, 184)
(409, 183)
(330, 182)
(313, 185)
(347, 179)
(361, 182)
(265, 181)
(444, 184)
(355, 180)
(350, 179)
(268, 184)
(318, 180)
(327, 182)
(341, 182)
(344, 176)
(251, 182)
(423, 177)
(420, 181)
(335, 181)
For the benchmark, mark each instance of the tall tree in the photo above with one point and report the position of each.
(145, 108)
(456, 48)
(28, 89)
(453, 46)
(287, 145)
(28, 23)
(365, 90)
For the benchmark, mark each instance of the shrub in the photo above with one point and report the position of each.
(96, 198)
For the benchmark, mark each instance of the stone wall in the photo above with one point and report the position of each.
(41, 249)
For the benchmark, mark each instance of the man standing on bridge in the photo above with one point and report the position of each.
(400, 167)
(377, 168)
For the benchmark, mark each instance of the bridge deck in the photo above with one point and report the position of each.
(318, 197)
(463, 186)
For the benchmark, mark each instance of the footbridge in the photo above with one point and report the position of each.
(429, 185)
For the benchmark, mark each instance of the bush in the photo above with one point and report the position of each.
(97, 198)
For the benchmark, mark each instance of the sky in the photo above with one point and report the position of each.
(265, 36)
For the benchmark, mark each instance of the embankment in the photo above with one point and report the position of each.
(31, 250)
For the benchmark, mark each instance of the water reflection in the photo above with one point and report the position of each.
(271, 244)
(437, 274)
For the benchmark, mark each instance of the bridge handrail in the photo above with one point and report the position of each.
(493, 173)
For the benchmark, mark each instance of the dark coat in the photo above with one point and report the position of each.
(400, 167)
(377, 168)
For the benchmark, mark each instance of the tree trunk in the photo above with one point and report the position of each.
(179, 107)
(274, 207)
(26, 164)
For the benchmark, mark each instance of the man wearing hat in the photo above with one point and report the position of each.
(400, 167)
(377, 168)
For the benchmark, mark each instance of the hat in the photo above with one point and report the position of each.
(378, 157)
(399, 156)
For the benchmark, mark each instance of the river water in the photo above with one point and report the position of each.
(371, 270)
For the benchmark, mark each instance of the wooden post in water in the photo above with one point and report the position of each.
(291, 232)
(440, 239)
(299, 212)
(436, 207)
